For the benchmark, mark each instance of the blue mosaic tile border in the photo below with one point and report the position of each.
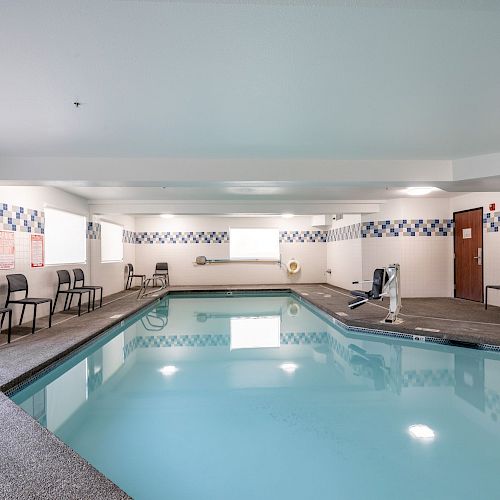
(15, 218)
(93, 231)
(428, 378)
(216, 340)
(338, 348)
(491, 222)
(129, 236)
(492, 404)
(182, 237)
(222, 237)
(407, 227)
(350, 232)
(303, 236)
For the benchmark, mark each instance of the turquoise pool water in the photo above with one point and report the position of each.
(258, 397)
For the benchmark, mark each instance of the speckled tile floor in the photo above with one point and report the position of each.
(451, 319)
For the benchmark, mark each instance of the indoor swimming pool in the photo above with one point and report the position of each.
(259, 396)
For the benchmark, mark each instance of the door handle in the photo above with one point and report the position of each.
(479, 257)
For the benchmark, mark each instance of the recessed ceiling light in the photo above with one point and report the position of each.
(289, 367)
(167, 216)
(287, 216)
(421, 431)
(168, 370)
(420, 190)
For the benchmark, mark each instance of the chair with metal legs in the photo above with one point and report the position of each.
(161, 271)
(80, 276)
(19, 283)
(3, 312)
(131, 276)
(65, 279)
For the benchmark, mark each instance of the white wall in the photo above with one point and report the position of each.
(181, 257)
(344, 257)
(112, 275)
(491, 240)
(426, 261)
(42, 281)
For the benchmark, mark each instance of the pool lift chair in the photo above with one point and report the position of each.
(385, 283)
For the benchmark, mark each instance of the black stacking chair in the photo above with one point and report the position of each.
(161, 270)
(19, 283)
(3, 312)
(131, 276)
(65, 279)
(80, 276)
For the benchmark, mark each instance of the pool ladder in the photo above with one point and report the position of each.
(143, 292)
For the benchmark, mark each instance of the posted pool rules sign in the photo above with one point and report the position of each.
(37, 250)
(7, 250)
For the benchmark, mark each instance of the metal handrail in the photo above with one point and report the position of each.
(143, 290)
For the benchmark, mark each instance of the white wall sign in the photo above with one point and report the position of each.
(7, 250)
(37, 250)
(467, 233)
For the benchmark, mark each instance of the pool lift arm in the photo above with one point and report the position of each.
(386, 283)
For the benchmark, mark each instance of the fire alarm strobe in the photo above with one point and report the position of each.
(492, 207)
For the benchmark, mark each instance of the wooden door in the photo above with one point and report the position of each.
(469, 254)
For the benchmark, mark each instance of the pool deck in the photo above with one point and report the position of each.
(36, 464)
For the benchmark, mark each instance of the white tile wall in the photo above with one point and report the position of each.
(426, 269)
(344, 258)
(181, 257)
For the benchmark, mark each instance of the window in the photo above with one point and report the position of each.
(111, 242)
(254, 244)
(65, 237)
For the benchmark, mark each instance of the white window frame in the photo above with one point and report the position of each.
(275, 258)
(47, 238)
(110, 261)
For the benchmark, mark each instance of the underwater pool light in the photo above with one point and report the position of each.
(168, 370)
(421, 431)
(289, 367)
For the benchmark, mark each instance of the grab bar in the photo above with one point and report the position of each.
(202, 260)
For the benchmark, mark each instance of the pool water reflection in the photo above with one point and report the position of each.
(259, 397)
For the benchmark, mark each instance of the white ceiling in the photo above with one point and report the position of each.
(244, 192)
(369, 79)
